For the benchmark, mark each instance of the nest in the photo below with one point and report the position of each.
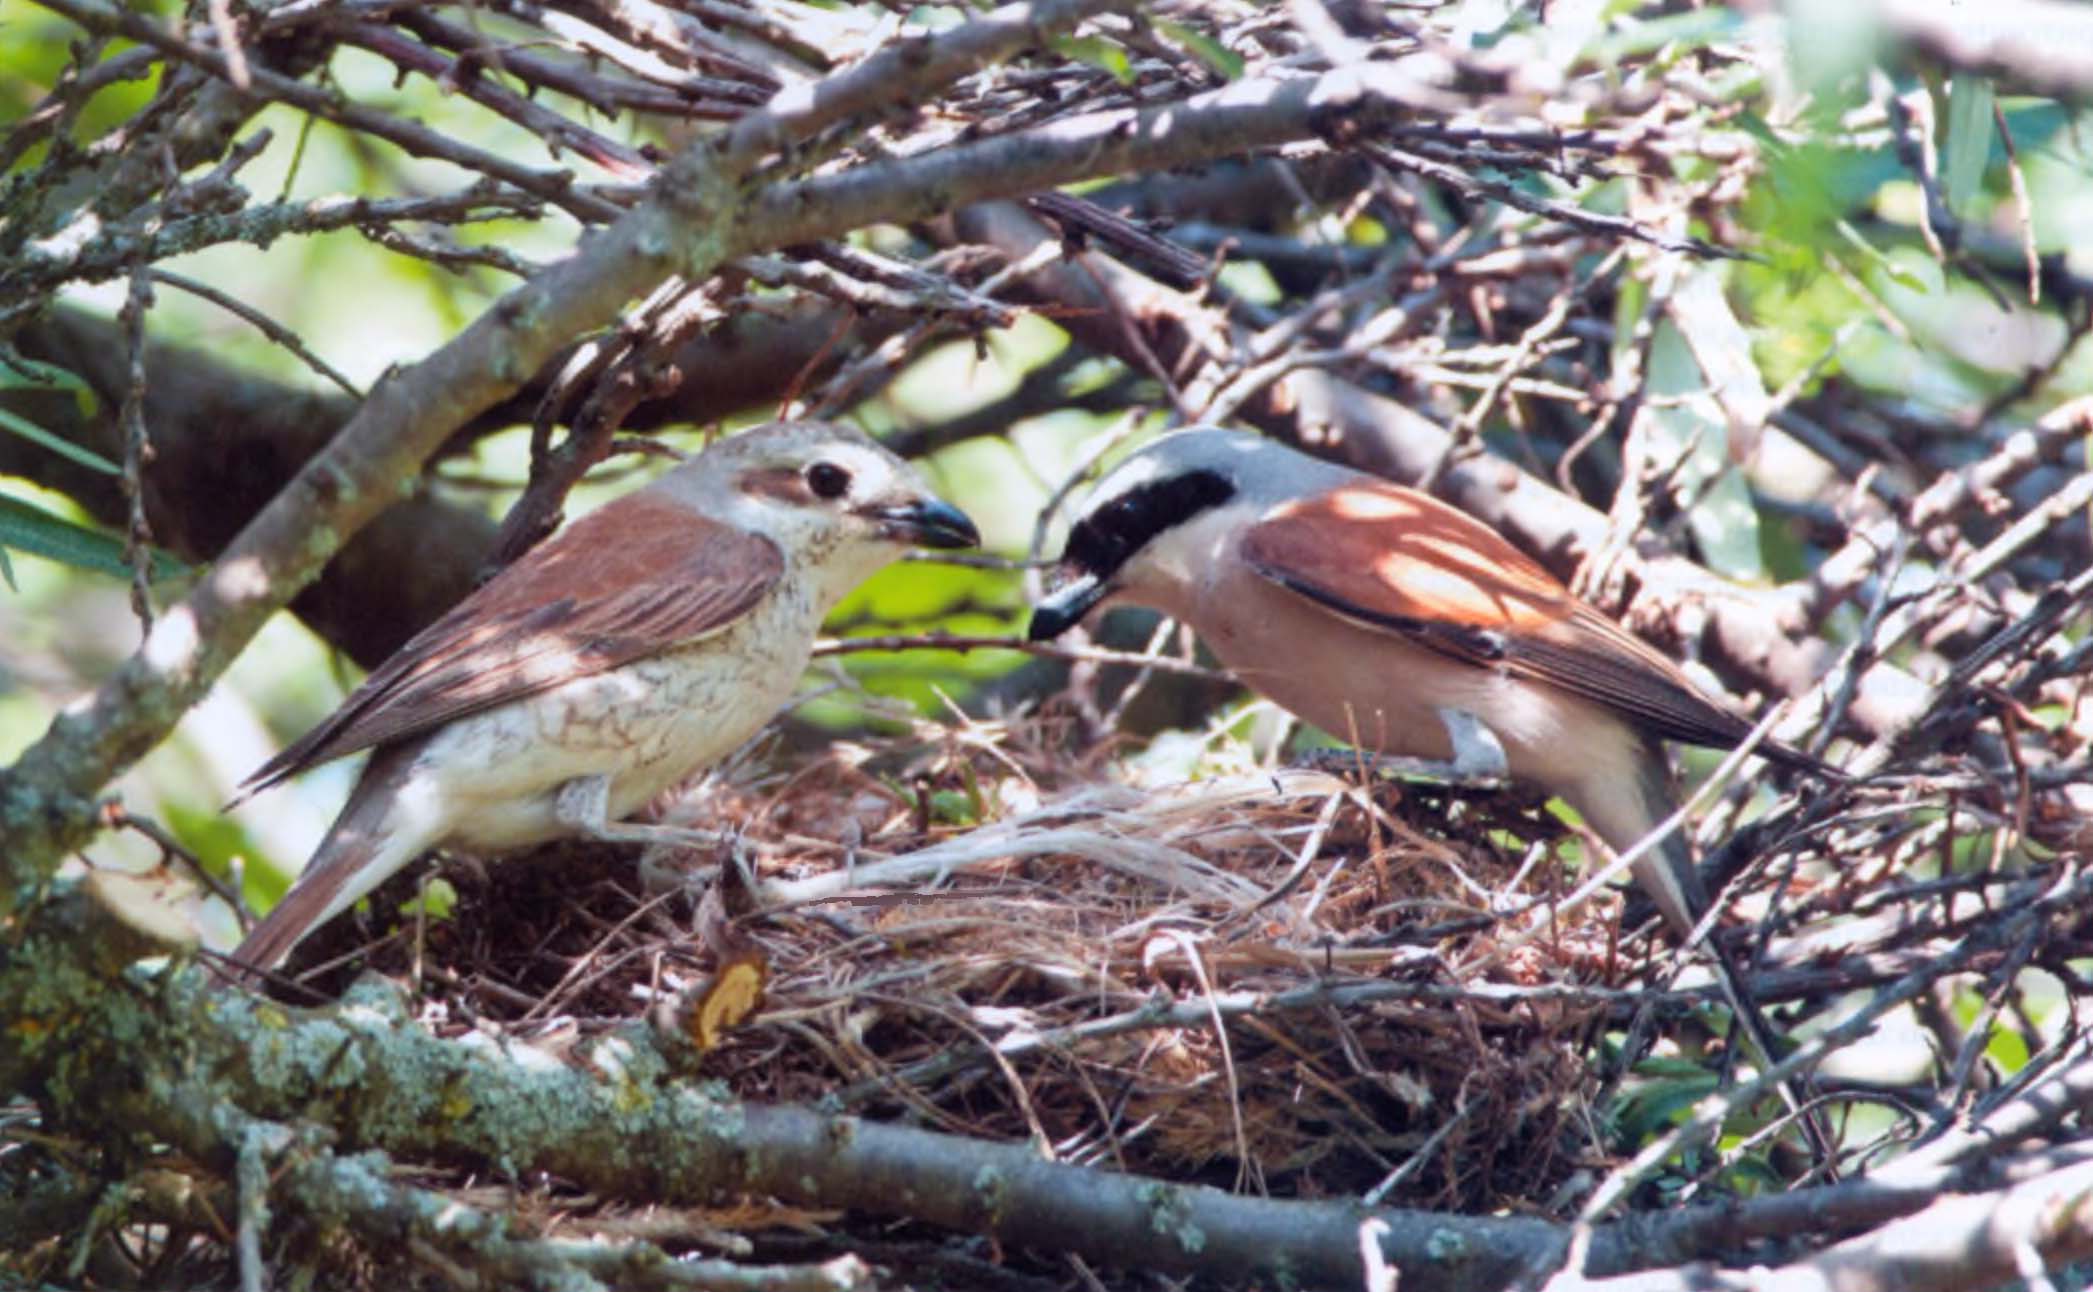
(1062, 980)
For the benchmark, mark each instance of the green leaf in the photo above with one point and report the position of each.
(18, 373)
(952, 807)
(1654, 1105)
(35, 434)
(1098, 52)
(1225, 63)
(1968, 148)
(1694, 29)
(1895, 272)
(29, 528)
(1753, 1174)
(216, 840)
(437, 900)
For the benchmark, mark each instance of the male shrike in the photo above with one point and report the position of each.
(1407, 627)
(640, 644)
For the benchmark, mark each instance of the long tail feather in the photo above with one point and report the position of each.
(311, 900)
(364, 847)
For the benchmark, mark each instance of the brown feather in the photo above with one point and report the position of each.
(353, 842)
(677, 577)
(1396, 560)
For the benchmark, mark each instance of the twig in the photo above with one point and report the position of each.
(1712, 1112)
(262, 323)
(138, 448)
(1590, 221)
(554, 187)
(110, 254)
(1045, 650)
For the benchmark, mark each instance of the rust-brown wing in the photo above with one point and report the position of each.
(636, 577)
(1400, 561)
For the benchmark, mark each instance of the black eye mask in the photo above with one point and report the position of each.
(1108, 537)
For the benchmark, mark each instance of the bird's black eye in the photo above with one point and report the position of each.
(828, 480)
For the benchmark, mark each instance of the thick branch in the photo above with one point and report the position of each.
(2043, 46)
(1245, 116)
(192, 1066)
(555, 186)
(113, 252)
(1958, 1244)
(896, 73)
(194, 1063)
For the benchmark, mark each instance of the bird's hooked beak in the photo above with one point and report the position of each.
(1065, 606)
(926, 522)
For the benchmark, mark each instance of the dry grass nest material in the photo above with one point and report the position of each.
(1058, 975)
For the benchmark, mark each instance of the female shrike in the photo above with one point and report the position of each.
(637, 646)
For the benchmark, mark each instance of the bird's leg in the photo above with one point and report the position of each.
(1478, 756)
(666, 867)
(583, 806)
